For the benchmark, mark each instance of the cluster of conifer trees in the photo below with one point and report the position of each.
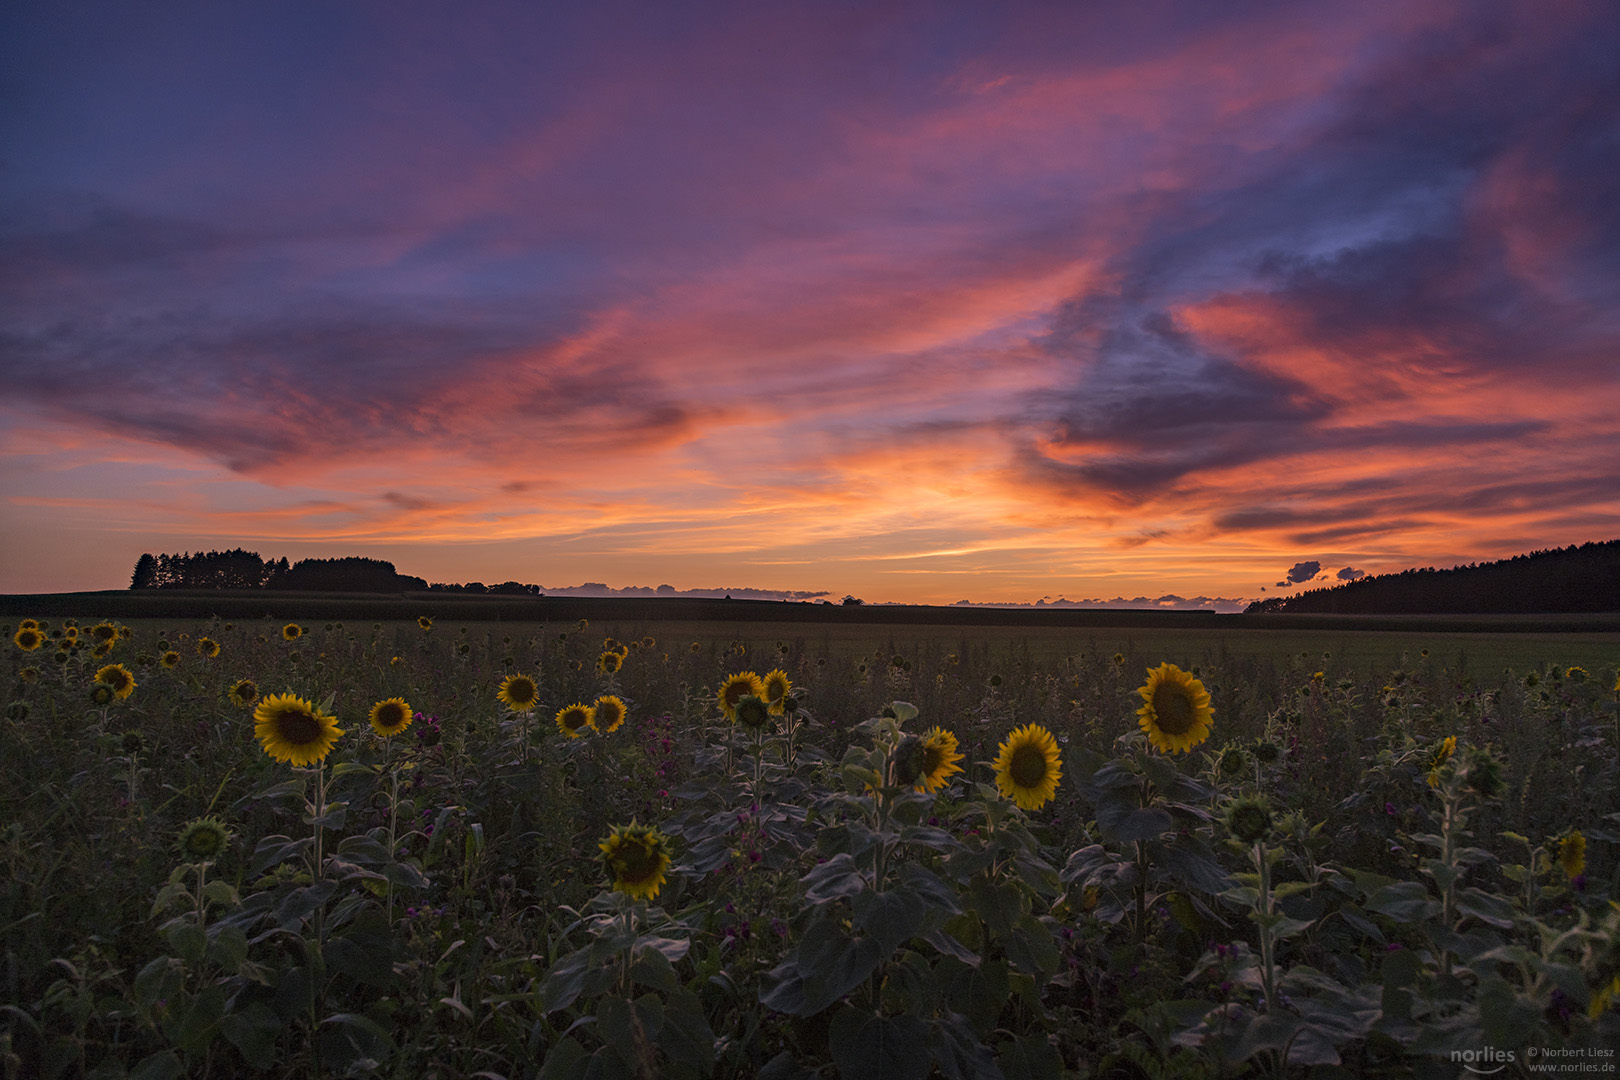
(1561, 580)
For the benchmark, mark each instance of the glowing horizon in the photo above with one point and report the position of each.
(973, 305)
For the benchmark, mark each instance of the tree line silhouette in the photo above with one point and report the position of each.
(1584, 578)
(245, 570)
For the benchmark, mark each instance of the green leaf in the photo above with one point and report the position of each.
(890, 918)
(564, 1061)
(253, 1029)
(227, 947)
(835, 878)
(999, 905)
(1032, 949)
(163, 1065)
(831, 964)
(1486, 907)
(652, 968)
(200, 1020)
(1124, 824)
(1403, 901)
(1029, 1058)
(188, 941)
(866, 1046)
(687, 1037)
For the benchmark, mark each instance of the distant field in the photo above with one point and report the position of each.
(1471, 644)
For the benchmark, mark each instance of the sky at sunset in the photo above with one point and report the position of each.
(920, 302)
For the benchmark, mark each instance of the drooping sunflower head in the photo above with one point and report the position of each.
(777, 688)
(292, 730)
(735, 688)
(203, 839)
(907, 762)
(518, 693)
(609, 713)
(291, 632)
(28, 624)
(116, 677)
(648, 642)
(390, 717)
(1267, 752)
(1439, 757)
(1575, 674)
(424, 622)
(609, 662)
(1572, 854)
(1028, 767)
(940, 759)
(102, 649)
(572, 720)
(1249, 819)
(636, 856)
(1175, 710)
(752, 712)
(170, 659)
(244, 693)
(28, 674)
(28, 639)
(104, 632)
(208, 647)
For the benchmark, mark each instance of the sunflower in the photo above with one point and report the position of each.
(609, 712)
(101, 649)
(939, 760)
(169, 659)
(648, 642)
(291, 632)
(777, 688)
(28, 674)
(518, 693)
(610, 644)
(636, 856)
(28, 639)
(1027, 768)
(572, 720)
(207, 646)
(244, 693)
(293, 730)
(751, 712)
(1249, 819)
(203, 839)
(390, 717)
(609, 662)
(1572, 854)
(104, 632)
(1438, 757)
(28, 624)
(117, 678)
(735, 688)
(1175, 711)
(424, 622)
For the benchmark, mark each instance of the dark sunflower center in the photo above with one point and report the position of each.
(1173, 709)
(204, 841)
(298, 728)
(1028, 768)
(636, 862)
(574, 719)
(521, 693)
(933, 758)
(390, 716)
(735, 693)
(610, 715)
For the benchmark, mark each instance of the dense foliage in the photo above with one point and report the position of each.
(572, 856)
(1584, 578)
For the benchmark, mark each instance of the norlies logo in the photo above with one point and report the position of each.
(1485, 1062)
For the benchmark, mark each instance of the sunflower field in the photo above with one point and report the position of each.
(418, 849)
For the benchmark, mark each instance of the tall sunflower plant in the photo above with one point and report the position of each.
(624, 1004)
(879, 943)
(758, 779)
(1153, 822)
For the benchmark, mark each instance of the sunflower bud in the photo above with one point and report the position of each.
(1483, 774)
(102, 695)
(1249, 819)
(132, 742)
(1267, 753)
(909, 761)
(17, 711)
(1233, 761)
(790, 704)
(752, 711)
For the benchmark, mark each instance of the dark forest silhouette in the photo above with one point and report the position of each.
(239, 570)
(1561, 580)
